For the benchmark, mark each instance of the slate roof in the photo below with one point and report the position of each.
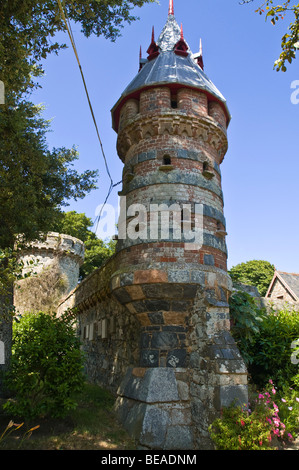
(292, 281)
(289, 280)
(170, 68)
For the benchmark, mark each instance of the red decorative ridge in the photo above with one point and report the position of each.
(153, 50)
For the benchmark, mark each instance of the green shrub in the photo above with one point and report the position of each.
(271, 350)
(46, 367)
(267, 341)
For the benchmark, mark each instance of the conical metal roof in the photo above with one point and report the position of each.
(171, 68)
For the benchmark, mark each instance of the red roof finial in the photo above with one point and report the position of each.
(199, 56)
(181, 47)
(153, 49)
(171, 9)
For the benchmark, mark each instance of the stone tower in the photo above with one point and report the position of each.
(154, 319)
(172, 276)
(53, 264)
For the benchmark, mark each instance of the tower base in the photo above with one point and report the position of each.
(165, 409)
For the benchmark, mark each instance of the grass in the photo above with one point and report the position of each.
(91, 426)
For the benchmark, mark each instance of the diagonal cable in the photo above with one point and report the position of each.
(71, 36)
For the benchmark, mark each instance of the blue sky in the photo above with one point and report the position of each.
(260, 170)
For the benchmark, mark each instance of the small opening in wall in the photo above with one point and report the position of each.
(166, 160)
(205, 166)
(174, 102)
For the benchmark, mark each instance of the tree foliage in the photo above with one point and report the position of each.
(257, 273)
(28, 29)
(35, 182)
(290, 40)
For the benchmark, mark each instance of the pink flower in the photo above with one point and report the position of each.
(261, 396)
(276, 432)
(283, 400)
(273, 391)
(271, 381)
(297, 399)
(260, 443)
(290, 436)
(242, 422)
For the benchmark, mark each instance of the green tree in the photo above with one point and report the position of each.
(28, 29)
(35, 183)
(78, 225)
(257, 273)
(46, 366)
(290, 40)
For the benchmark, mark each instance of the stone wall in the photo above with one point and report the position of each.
(279, 292)
(279, 304)
(109, 333)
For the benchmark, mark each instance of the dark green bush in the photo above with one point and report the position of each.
(266, 340)
(271, 351)
(46, 367)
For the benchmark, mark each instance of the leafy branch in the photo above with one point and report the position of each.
(290, 40)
